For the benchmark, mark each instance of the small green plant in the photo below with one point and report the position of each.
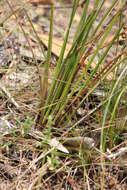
(47, 132)
(25, 126)
(5, 144)
(53, 160)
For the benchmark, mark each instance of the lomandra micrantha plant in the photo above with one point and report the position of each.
(87, 44)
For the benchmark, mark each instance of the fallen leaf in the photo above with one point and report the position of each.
(41, 2)
(56, 144)
(86, 142)
(56, 42)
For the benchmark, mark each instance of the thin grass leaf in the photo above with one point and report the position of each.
(82, 20)
(46, 66)
(36, 35)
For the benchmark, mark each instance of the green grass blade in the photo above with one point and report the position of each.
(46, 66)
